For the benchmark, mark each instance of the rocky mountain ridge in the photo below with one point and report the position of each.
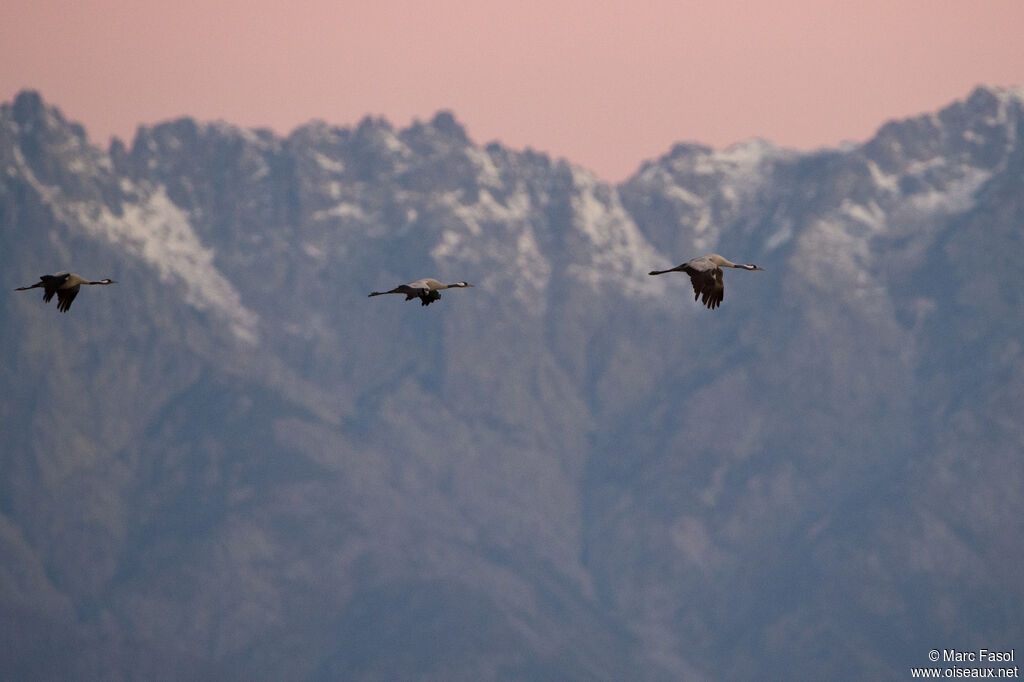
(236, 463)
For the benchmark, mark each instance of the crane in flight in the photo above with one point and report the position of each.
(706, 277)
(65, 285)
(426, 289)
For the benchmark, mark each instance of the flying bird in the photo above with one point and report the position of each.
(427, 290)
(706, 276)
(65, 285)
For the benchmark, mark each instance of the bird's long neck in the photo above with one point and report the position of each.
(741, 266)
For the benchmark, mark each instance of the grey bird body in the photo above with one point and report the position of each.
(426, 289)
(706, 277)
(65, 285)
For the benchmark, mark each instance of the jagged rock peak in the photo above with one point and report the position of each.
(976, 131)
(370, 125)
(319, 131)
(187, 131)
(445, 123)
(28, 106)
(997, 92)
(32, 115)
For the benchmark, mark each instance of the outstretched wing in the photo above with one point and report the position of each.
(427, 296)
(707, 283)
(716, 292)
(65, 297)
(51, 283)
(417, 289)
(423, 289)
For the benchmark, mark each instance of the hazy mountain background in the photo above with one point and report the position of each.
(233, 464)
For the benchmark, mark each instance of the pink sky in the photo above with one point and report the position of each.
(606, 84)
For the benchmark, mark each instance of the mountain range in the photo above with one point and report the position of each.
(235, 465)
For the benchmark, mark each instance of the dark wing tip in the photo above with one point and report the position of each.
(64, 299)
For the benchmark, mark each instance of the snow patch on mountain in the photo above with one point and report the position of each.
(889, 182)
(160, 233)
(344, 209)
(530, 287)
(156, 230)
(618, 253)
(870, 215)
(837, 260)
(745, 157)
(478, 236)
(487, 172)
(956, 196)
(328, 164)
